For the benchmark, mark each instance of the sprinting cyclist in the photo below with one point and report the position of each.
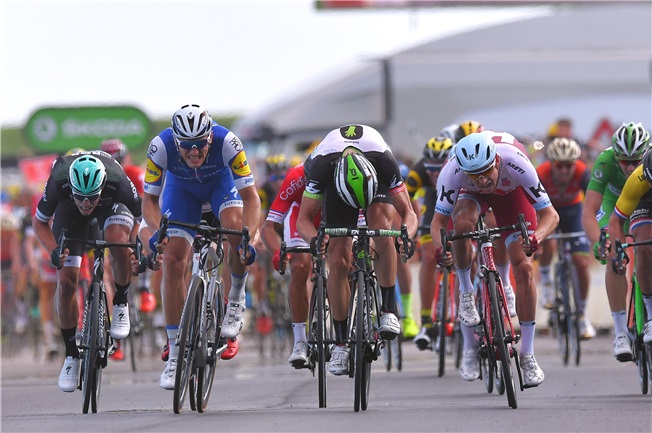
(283, 214)
(353, 168)
(201, 162)
(84, 187)
(610, 171)
(635, 205)
(566, 178)
(489, 170)
(424, 174)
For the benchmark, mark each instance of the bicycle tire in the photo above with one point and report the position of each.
(561, 305)
(574, 328)
(211, 326)
(397, 352)
(358, 357)
(187, 341)
(102, 350)
(130, 340)
(458, 344)
(321, 336)
(648, 363)
(641, 363)
(486, 359)
(387, 355)
(89, 344)
(499, 382)
(442, 311)
(499, 339)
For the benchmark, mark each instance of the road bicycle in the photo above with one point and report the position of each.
(320, 330)
(363, 321)
(278, 335)
(564, 314)
(636, 318)
(199, 336)
(449, 335)
(393, 351)
(96, 344)
(498, 335)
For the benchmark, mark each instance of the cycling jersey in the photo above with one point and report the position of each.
(607, 178)
(635, 190)
(418, 177)
(226, 155)
(137, 176)
(573, 192)
(118, 188)
(266, 193)
(515, 171)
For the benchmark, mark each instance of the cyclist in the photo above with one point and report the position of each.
(467, 127)
(635, 205)
(449, 131)
(610, 171)
(497, 175)
(566, 178)
(275, 168)
(84, 187)
(423, 175)
(342, 179)
(201, 161)
(283, 215)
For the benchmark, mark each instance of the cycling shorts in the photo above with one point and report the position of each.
(570, 220)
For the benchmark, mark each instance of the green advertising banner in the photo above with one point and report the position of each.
(58, 129)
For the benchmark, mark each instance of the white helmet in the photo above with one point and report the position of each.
(191, 122)
(563, 149)
(476, 152)
(448, 131)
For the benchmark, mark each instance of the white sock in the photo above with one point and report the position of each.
(464, 277)
(299, 330)
(470, 337)
(620, 322)
(172, 340)
(503, 271)
(527, 338)
(237, 293)
(545, 274)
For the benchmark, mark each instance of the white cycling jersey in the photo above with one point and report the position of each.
(515, 171)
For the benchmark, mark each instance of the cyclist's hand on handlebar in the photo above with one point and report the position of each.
(155, 246)
(322, 250)
(56, 259)
(250, 255)
(620, 266)
(406, 251)
(444, 259)
(596, 251)
(530, 245)
(276, 261)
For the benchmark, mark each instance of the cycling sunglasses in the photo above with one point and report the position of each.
(562, 164)
(626, 163)
(91, 198)
(433, 167)
(189, 145)
(486, 173)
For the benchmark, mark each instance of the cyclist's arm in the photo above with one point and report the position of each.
(44, 234)
(548, 219)
(401, 201)
(439, 220)
(269, 235)
(250, 209)
(310, 208)
(590, 209)
(151, 211)
(616, 231)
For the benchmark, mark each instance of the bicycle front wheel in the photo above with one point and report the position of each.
(503, 354)
(102, 349)
(443, 321)
(359, 333)
(573, 313)
(187, 340)
(209, 343)
(90, 332)
(561, 309)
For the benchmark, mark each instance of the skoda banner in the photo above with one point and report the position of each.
(58, 129)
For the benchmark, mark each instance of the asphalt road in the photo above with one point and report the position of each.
(261, 394)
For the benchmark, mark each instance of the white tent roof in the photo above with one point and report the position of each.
(582, 63)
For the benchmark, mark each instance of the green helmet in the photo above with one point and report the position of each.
(630, 141)
(87, 175)
(356, 181)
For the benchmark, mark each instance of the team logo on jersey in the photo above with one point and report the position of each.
(236, 143)
(351, 132)
(153, 173)
(240, 165)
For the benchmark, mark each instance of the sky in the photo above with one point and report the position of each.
(232, 57)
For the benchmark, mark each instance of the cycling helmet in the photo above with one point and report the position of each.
(438, 148)
(114, 147)
(647, 165)
(466, 128)
(563, 149)
(475, 153)
(630, 141)
(87, 175)
(448, 131)
(191, 122)
(356, 181)
(74, 150)
(276, 164)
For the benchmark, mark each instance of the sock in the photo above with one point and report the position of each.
(527, 338)
(503, 271)
(620, 322)
(120, 297)
(426, 318)
(172, 340)
(237, 293)
(545, 274)
(299, 331)
(464, 277)
(70, 340)
(389, 299)
(340, 331)
(470, 337)
(406, 300)
(647, 300)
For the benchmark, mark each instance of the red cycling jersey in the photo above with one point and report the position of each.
(572, 193)
(137, 175)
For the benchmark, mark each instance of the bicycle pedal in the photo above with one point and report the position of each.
(298, 365)
(529, 386)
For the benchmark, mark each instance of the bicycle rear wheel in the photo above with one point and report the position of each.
(502, 350)
(359, 334)
(90, 332)
(648, 363)
(187, 340)
(641, 362)
(561, 308)
(319, 310)
(397, 352)
(573, 322)
(442, 319)
(210, 339)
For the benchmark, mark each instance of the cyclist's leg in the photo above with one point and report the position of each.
(503, 265)
(546, 248)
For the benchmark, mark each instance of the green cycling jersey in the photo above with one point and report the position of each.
(608, 179)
